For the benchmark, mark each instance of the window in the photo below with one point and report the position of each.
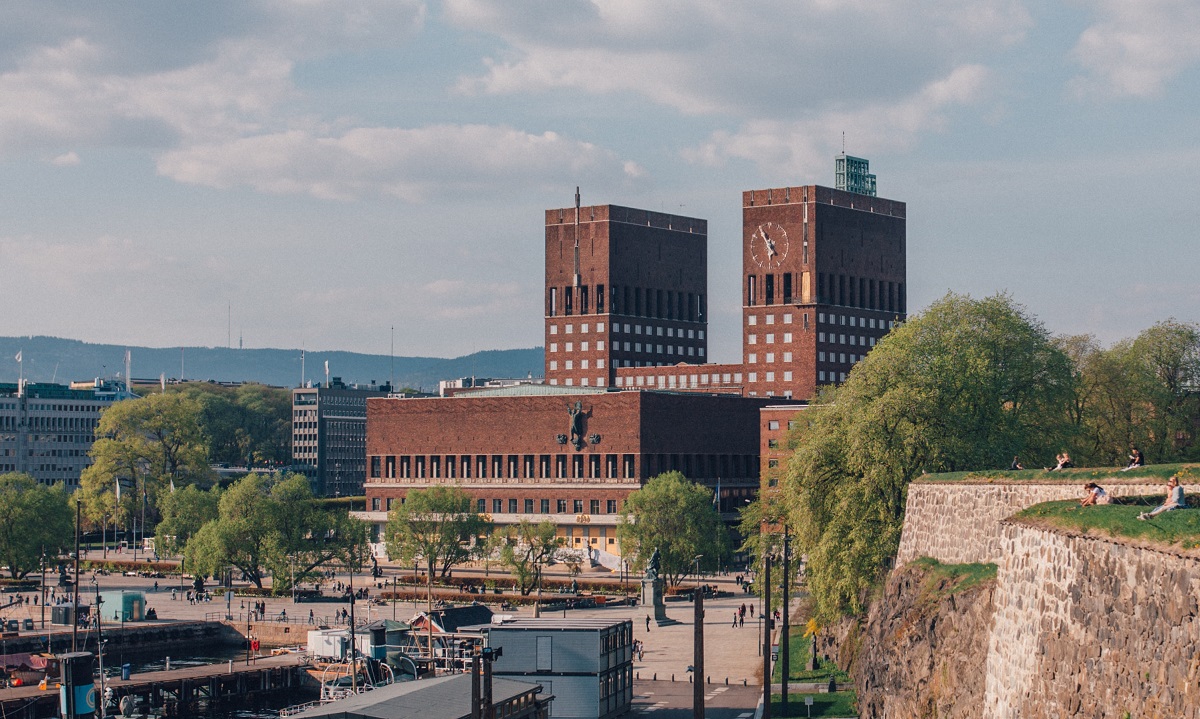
(553, 329)
(770, 339)
(770, 357)
(773, 424)
(481, 506)
(770, 319)
(528, 506)
(752, 358)
(512, 506)
(497, 505)
(577, 506)
(772, 444)
(787, 336)
(553, 346)
(545, 505)
(787, 319)
(751, 320)
(612, 506)
(787, 376)
(561, 506)
(594, 506)
(375, 467)
(772, 463)
(374, 504)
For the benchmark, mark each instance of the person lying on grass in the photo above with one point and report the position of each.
(1175, 499)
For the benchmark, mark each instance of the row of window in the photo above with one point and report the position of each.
(768, 358)
(841, 339)
(626, 300)
(558, 466)
(583, 382)
(839, 357)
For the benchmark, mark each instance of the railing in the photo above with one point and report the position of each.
(241, 618)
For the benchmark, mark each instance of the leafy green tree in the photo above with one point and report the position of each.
(675, 516)
(184, 512)
(1166, 364)
(526, 547)
(34, 520)
(965, 385)
(148, 444)
(269, 526)
(247, 425)
(437, 526)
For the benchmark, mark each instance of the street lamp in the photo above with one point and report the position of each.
(696, 562)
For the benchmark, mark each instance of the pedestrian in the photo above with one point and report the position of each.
(741, 620)
(311, 620)
(647, 622)
(735, 617)
(156, 585)
(751, 610)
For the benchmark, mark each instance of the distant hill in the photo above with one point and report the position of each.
(64, 360)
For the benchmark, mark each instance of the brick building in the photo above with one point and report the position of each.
(823, 278)
(624, 288)
(522, 456)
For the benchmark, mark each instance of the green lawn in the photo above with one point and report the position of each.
(837, 704)
(1188, 472)
(798, 670)
(1178, 528)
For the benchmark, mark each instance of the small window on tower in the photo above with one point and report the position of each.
(599, 299)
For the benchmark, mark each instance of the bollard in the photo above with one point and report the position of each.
(672, 677)
(231, 666)
(743, 681)
(709, 680)
(168, 663)
(726, 681)
(655, 676)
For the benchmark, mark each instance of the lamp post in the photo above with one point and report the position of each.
(784, 644)
(696, 563)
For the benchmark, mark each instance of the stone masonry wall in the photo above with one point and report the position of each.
(959, 522)
(1086, 627)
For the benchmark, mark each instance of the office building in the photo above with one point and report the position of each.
(329, 435)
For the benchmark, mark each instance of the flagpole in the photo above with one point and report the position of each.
(20, 373)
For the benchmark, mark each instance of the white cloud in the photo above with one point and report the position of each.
(1134, 48)
(67, 159)
(409, 164)
(766, 59)
(796, 147)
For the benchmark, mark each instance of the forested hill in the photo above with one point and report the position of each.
(63, 360)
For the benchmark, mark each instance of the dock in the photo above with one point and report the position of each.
(174, 692)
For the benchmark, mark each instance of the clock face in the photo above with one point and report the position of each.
(769, 245)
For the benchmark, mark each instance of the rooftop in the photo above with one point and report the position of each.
(439, 698)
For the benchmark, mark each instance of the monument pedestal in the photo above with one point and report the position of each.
(652, 595)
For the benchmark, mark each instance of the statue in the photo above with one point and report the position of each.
(576, 413)
(653, 589)
(652, 566)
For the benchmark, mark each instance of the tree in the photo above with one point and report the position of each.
(1166, 364)
(148, 444)
(35, 521)
(675, 516)
(526, 547)
(184, 512)
(244, 426)
(436, 525)
(273, 526)
(965, 385)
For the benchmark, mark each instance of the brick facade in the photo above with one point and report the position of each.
(517, 450)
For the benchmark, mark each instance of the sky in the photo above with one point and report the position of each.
(312, 174)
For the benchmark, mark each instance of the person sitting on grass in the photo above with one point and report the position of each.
(1136, 459)
(1175, 500)
(1064, 462)
(1016, 465)
(1093, 494)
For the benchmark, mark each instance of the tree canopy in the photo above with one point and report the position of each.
(675, 516)
(34, 520)
(526, 547)
(268, 526)
(436, 525)
(967, 384)
(184, 512)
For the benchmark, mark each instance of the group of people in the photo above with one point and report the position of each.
(739, 615)
(1094, 494)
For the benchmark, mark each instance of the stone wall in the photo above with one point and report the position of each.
(925, 650)
(1085, 627)
(959, 522)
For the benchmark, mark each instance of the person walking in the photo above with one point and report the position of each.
(647, 622)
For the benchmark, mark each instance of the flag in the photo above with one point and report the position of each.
(172, 485)
(118, 490)
(326, 366)
(18, 356)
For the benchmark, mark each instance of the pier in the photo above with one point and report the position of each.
(174, 692)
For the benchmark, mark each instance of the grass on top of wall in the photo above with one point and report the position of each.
(943, 580)
(1189, 473)
(1178, 528)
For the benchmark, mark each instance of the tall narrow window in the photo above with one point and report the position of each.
(553, 309)
(750, 290)
(769, 289)
(583, 300)
(567, 295)
(787, 288)
(599, 299)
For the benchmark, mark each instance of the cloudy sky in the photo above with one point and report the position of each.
(329, 170)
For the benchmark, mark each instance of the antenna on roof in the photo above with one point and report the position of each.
(843, 142)
(576, 236)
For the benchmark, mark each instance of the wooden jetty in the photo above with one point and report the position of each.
(175, 692)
